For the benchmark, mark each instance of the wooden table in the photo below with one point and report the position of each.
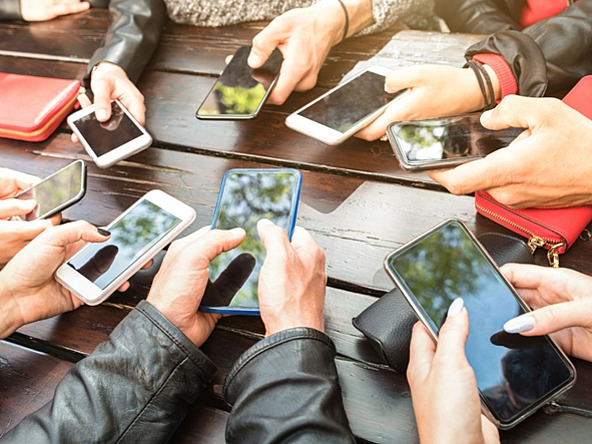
(356, 201)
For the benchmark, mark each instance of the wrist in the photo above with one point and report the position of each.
(331, 13)
(473, 97)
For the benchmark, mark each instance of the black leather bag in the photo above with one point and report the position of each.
(388, 322)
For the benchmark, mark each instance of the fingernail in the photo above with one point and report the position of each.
(254, 60)
(519, 324)
(486, 115)
(237, 232)
(265, 222)
(103, 232)
(456, 307)
(101, 114)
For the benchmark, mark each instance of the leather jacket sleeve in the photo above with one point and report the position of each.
(548, 57)
(10, 10)
(135, 387)
(286, 389)
(132, 36)
(477, 16)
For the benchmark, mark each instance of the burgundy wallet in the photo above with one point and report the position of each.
(33, 107)
(553, 229)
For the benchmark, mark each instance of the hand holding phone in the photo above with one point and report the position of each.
(247, 196)
(140, 232)
(345, 109)
(56, 192)
(516, 375)
(241, 91)
(109, 142)
(446, 142)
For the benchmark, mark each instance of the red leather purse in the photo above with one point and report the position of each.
(550, 228)
(32, 107)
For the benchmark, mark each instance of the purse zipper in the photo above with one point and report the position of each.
(534, 240)
(48, 125)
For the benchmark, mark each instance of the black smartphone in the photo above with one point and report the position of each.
(516, 374)
(446, 142)
(246, 196)
(241, 91)
(56, 192)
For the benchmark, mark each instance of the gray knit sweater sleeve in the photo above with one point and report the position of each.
(212, 13)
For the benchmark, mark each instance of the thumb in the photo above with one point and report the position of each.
(551, 319)
(402, 78)
(70, 233)
(453, 334)
(16, 207)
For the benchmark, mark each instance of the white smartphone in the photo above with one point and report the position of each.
(109, 142)
(56, 192)
(346, 109)
(140, 232)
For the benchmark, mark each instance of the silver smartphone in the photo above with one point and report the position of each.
(345, 109)
(56, 192)
(109, 142)
(516, 375)
(140, 232)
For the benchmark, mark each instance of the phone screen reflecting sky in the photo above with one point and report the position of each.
(512, 371)
(246, 197)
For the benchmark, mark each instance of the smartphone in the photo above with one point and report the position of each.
(516, 374)
(109, 142)
(446, 142)
(241, 91)
(246, 196)
(344, 110)
(140, 232)
(56, 192)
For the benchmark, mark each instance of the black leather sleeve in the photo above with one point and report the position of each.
(135, 387)
(132, 36)
(476, 16)
(10, 10)
(550, 56)
(286, 389)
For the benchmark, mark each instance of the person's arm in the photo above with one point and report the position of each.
(476, 16)
(138, 384)
(286, 388)
(549, 57)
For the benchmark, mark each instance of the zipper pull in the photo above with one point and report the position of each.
(535, 242)
(553, 256)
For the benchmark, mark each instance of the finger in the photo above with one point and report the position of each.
(69, 8)
(376, 129)
(453, 334)
(518, 112)
(291, 74)
(399, 79)
(422, 349)
(265, 42)
(134, 103)
(124, 287)
(552, 318)
(26, 230)
(526, 275)
(274, 239)
(56, 219)
(494, 170)
(306, 247)
(70, 233)
(84, 100)
(103, 91)
(16, 207)
(203, 249)
(15, 178)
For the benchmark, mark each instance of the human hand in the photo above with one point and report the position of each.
(15, 235)
(41, 10)
(291, 281)
(546, 166)
(109, 82)
(304, 36)
(28, 289)
(443, 384)
(432, 91)
(180, 284)
(562, 300)
(12, 183)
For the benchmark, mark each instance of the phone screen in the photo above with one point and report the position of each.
(350, 103)
(54, 192)
(449, 138)
(131, 236)
(104, 137)
(246, 196)
(513, 372)
(241, 90)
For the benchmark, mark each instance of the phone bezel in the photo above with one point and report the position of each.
(328, 135)
(119, 153)
(66, 204)
(249, 116)
(292, 224)
(420, 165)
(422, 315)
(90, 293)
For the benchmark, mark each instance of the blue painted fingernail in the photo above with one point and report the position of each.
(519, 324)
